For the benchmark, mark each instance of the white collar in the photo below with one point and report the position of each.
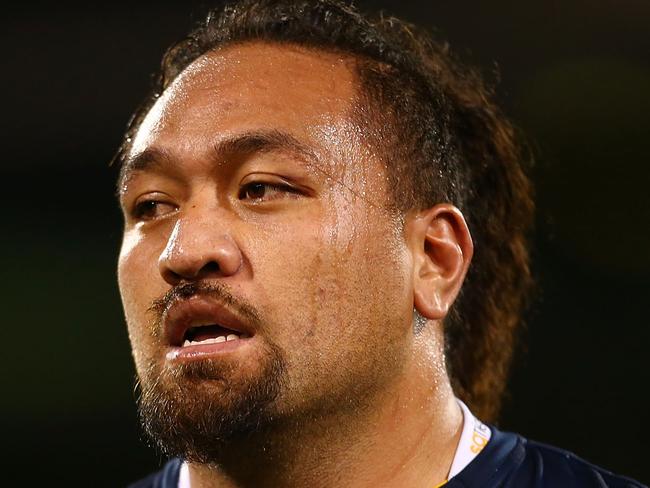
(473, 439)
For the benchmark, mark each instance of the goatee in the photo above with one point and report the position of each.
(195, 410)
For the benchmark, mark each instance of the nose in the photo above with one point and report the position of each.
(198, 248)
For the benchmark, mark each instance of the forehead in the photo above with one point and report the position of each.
(254, 86)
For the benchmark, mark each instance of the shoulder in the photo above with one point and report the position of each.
(563, 465)
(167, 477)
(511, 461)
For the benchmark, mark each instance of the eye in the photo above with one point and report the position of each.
(259, 191)
(152, 209)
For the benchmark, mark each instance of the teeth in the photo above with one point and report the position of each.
(215, 340)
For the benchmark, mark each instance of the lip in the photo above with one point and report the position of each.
(186, 313)
(205, 351)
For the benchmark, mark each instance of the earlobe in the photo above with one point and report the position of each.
(442, 250)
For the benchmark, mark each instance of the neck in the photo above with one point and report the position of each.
(407, 439)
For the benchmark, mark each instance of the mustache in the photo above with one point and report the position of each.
(215, 291)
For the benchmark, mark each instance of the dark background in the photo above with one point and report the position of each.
(575, 75)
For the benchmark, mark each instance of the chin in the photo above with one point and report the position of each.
(194, 410)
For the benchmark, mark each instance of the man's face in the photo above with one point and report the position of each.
(253, 203)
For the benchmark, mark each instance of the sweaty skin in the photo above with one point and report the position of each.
(301, 233)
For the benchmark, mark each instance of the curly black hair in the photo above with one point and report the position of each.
(443, 138)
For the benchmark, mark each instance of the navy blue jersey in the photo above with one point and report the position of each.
(508, 461)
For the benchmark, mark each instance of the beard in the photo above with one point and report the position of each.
(196, 411)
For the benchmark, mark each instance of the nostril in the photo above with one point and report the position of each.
(211, 267)
(179, 274)
(171, 277)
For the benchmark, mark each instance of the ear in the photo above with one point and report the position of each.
(442, 249)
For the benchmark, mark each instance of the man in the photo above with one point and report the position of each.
(303, 194)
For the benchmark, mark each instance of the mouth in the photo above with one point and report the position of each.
(198, 327)
(210, 334)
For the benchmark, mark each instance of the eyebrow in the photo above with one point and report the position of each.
(259, 141)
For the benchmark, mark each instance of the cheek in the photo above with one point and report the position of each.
(368, 287)
(369, 263)
(129, 270)
(282, 262)
(137, 273)
(330, 280)
(341, 306)
(137, 267)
